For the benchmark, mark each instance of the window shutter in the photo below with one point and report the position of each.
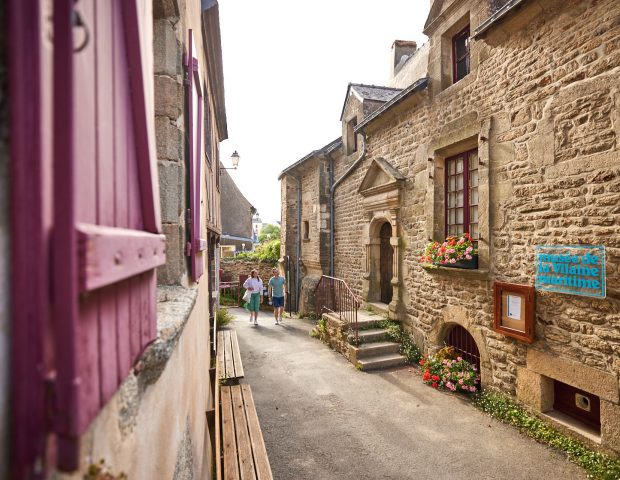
(106, 241)
(197, 244)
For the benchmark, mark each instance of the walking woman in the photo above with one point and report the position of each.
(254, 284)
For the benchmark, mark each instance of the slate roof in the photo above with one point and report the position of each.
(418, 85)
(373, 93)
(330, 147)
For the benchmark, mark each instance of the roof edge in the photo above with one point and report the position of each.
(497, 17)
(416, 86)
(327, 149)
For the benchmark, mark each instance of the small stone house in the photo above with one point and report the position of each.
(114, 219)
(504, 125)
(237, 213)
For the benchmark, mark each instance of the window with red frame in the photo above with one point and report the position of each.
(462, 194)
(460, 54)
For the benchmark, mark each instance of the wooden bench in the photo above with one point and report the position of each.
(243, 448)
(229, 368)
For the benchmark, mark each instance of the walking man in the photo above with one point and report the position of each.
(277, 294)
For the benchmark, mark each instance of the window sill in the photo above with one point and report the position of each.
(305, 239)
(478, 273)
(174, 306)
(455, 88)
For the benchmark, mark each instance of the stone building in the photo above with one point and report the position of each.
(237, 213)
(114, 216)
(524, 97)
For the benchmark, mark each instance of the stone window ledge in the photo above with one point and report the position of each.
(174, 306)
(459, 272)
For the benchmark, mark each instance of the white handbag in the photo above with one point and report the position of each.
(247, 295)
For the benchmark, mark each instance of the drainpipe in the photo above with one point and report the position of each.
(298, 261)
(332, 190)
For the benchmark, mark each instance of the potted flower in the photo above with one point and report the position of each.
(454, 252)
(455, 374)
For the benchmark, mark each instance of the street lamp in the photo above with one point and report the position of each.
(234, 158)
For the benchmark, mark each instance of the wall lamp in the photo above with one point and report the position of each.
(234, 158)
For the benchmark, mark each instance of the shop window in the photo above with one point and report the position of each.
(460, 55)
(461, 201)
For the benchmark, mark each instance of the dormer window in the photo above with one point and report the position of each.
(351, 137)
(460, 55)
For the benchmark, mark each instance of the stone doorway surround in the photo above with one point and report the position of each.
(454, 315)
(381, 189)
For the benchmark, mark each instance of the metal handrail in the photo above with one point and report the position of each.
(334, 295)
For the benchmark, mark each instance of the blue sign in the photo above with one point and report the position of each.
(574, 269)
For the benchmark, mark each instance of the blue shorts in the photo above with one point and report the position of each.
(277, 302)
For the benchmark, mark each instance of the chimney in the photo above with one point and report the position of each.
(402, 50)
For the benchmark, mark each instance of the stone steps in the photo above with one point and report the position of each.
(372, 335)
(381, 361)
(376, 349)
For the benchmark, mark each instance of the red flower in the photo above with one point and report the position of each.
(422, 362)
(426, 376)
(434, 385)
(435, 377)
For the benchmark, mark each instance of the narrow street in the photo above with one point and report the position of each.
(323, 419)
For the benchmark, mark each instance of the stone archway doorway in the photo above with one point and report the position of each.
(386, 261)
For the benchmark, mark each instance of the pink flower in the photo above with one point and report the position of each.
(469, 249)
(453, 260)
(468, 257)
(461, 381)
(459, 359)
(472, 389)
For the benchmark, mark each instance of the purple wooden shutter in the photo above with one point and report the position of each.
(106, 210)
(197, 244)
(31, 224)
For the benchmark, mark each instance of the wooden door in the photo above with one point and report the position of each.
(386, 262)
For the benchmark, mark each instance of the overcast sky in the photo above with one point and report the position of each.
(287, 64)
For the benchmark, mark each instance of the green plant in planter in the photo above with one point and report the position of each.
(452, 250)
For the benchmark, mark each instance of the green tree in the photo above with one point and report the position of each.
(269, 232)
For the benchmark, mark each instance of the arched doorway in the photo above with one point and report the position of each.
(464, 344)
(386, 261)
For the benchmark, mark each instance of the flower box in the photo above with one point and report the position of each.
(465, 264)
(455, 252)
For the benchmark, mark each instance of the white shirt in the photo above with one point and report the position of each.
(254, 285)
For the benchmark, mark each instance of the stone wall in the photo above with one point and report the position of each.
(233, 268)
(155, 425)
(415, 68)
(169, 36)
(236, 210)
(5, 254)
(541, 105)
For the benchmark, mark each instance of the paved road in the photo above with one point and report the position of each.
(323, 419)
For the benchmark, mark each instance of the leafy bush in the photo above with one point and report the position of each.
(228, 299)
(269, 232)
(598, 465)
(268, 252)
(395, 332)
(223, 317)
